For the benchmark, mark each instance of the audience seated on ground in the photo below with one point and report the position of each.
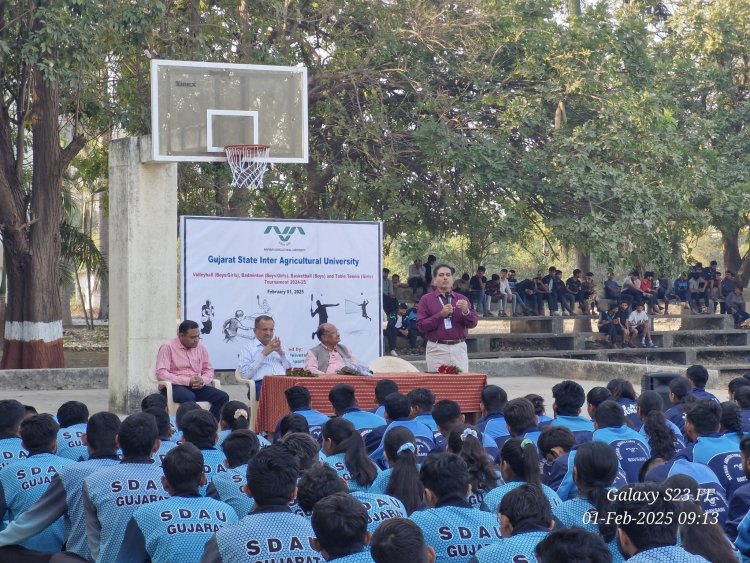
(400, 541)
(521, 420)
(664, 438)
(200, 429)
(731, 421)
(228, 486)
(698, 376)
(235, 415)
(165, 433)
(11, 414)
(466, 441)
(344, 404)
(568, 400)
(539, 410)
(422, 400)
(680, 395)
(299, 401)
(554, 445)
(345, 452)
(340, 525)
(625, 396)
(72, 417)
(572, 545)
(448, 415)
(401, 478)
(631, 447)
(383, 388)
(492, 421)
(397, 414)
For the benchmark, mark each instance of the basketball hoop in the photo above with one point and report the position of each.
(248, 164)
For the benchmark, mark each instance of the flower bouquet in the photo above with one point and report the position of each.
(300, 372)
(453, 370)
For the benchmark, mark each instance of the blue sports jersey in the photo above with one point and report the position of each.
(221, 436)
(174, 530)
(582, 428)
(213, 464)
(228, 487)
(380, 411)
(315, 421)
(544, 419)
(631, 448)
(380, 484)
(490, 445)
(11, 450)
(163, 450)
(579, 512)
(380, 508)
(676, 415)
(667, 554)
(423, 436)
(177, 436)
(494, 426)
(493, 498)
(70, 442)
(701, 393)
(679, 440)
(739, 506)
(268, 534)
(519, 548)
(111, 495)
(337, 461)
(630, 408)
(722, 455)
(742, 543)
(429, 422)
(457, 532)
(360, 557)
(364, 422)
(567, 488)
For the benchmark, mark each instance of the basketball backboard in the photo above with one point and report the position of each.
(199, 108)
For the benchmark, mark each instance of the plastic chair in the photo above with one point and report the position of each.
(171, 405)
(252, 397)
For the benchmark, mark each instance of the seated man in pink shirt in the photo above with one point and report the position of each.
(184, 362)
(329, 356)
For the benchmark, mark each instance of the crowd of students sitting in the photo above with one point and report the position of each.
(411, 482)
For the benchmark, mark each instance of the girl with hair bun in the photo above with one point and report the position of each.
(235, 415)
(466, 441)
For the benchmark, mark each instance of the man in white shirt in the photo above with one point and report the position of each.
(264, 356)
(638, 320)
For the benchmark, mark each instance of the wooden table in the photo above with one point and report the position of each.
(464, 388)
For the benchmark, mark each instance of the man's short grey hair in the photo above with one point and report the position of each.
(261, 318)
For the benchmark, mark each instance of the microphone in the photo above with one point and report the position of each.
(448, 297)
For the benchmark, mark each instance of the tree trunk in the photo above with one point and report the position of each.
(730, 241)
(583, 261)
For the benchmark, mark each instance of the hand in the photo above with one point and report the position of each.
(447, 310)
(274, 345)
(196, 382)
(463, 305)
(404, 331)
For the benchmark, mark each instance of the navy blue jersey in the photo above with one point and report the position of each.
(630, 408)
(457, 532)
(579, 512)
(364, 422)
(567, 488)
(739, 506)
(631, 448)
(701, 393)
(582, 428)
(494, 426)
(423, 436)
(70, 442)
(429, 422)
(493, 498)
(338, 462)
(228, 487)
(315, 421)
(380, 508)
(668, 554)
(722, 455)
(11, 450)
(676, 415)
(519, 548)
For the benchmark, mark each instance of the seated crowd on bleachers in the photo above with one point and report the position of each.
(609, 475)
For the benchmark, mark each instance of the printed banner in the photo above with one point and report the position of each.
(301, 273)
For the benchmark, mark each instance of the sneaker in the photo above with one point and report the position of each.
(652, 345)
(488, 315)
(627, 345)
(394, 353)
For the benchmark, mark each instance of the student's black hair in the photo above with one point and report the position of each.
(555, 437)
(183, 468)
(621, 388)
(199, 428)
(569, 397)
(383, 388)
(162, 420)
(731, 418)
(681, 388)
(297, 397)
(11, 415)
(446, 475)
(398, 540)
(39, 432)
(341, 397)
(293, 422)
(523, 460)
(101, 430)
(698, 375)
(272, 475)
(404, 484)
(137, 435)
(742, 397)
(182, 410)
(519, 415)
(746, 375)
(240, 447)
(345, 439)
(466, 441)
(397, 406)
(596, 468)
(597, 395)
(421, 398)
(526, 505)
(340, 524)
(316, 483)
(537, 401)
(187, 325)
(572, 545)
(154, 400)
(29, 410)
(439, 266)
(609, 414)
(651, 463)
(304, 446)
(745, 445)
(704, 415)
(632, 502)
(72, 412)
(698, 535)
(736, 383)
(494, 398)
(235, 415)
(660, 436)
(446, 414)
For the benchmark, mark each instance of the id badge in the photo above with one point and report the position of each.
(447, 323)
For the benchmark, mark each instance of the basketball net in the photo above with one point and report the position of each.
(248, 164)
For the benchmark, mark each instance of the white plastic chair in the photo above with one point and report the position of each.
(252, 397)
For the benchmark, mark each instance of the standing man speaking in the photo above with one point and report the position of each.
(444, 318)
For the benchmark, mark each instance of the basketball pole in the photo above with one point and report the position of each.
(142, 268)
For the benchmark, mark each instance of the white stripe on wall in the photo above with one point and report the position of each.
(27, 331)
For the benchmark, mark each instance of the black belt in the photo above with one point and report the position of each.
(449, 342)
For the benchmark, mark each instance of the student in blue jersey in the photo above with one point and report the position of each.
(554, 445)
(735, 384)
(345, 452)
(526, 519)
(112, 494)
(165, 433)
(293, 423)
(401, 479)
(731, 421)
(664, 438)
(454, 529)
(680, 397)
(239, 448)
(623, 393)
(317, 483)
(11, 414)
(595, 467)
(159, 401)
(572, 545)
(383, 388)
(519, 465)
(235, 415)
(340, 525)
(400, 541)
(63, 496)
(631, 447)
(698, 376)
(23, 481)
(641, 502)
(304, 447)
(422, 400)
(541, 413)
(595, 397)
(271, 532)
(344, 404)
(199, 427)
(175, 530)
(492, 423)
(568, 400)
(72, 417)
(521, 419)
(397, 414)
(182, 410)
(739, 501)
(447, 415)
(298, 399)
(742, 398)
(466, 441)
